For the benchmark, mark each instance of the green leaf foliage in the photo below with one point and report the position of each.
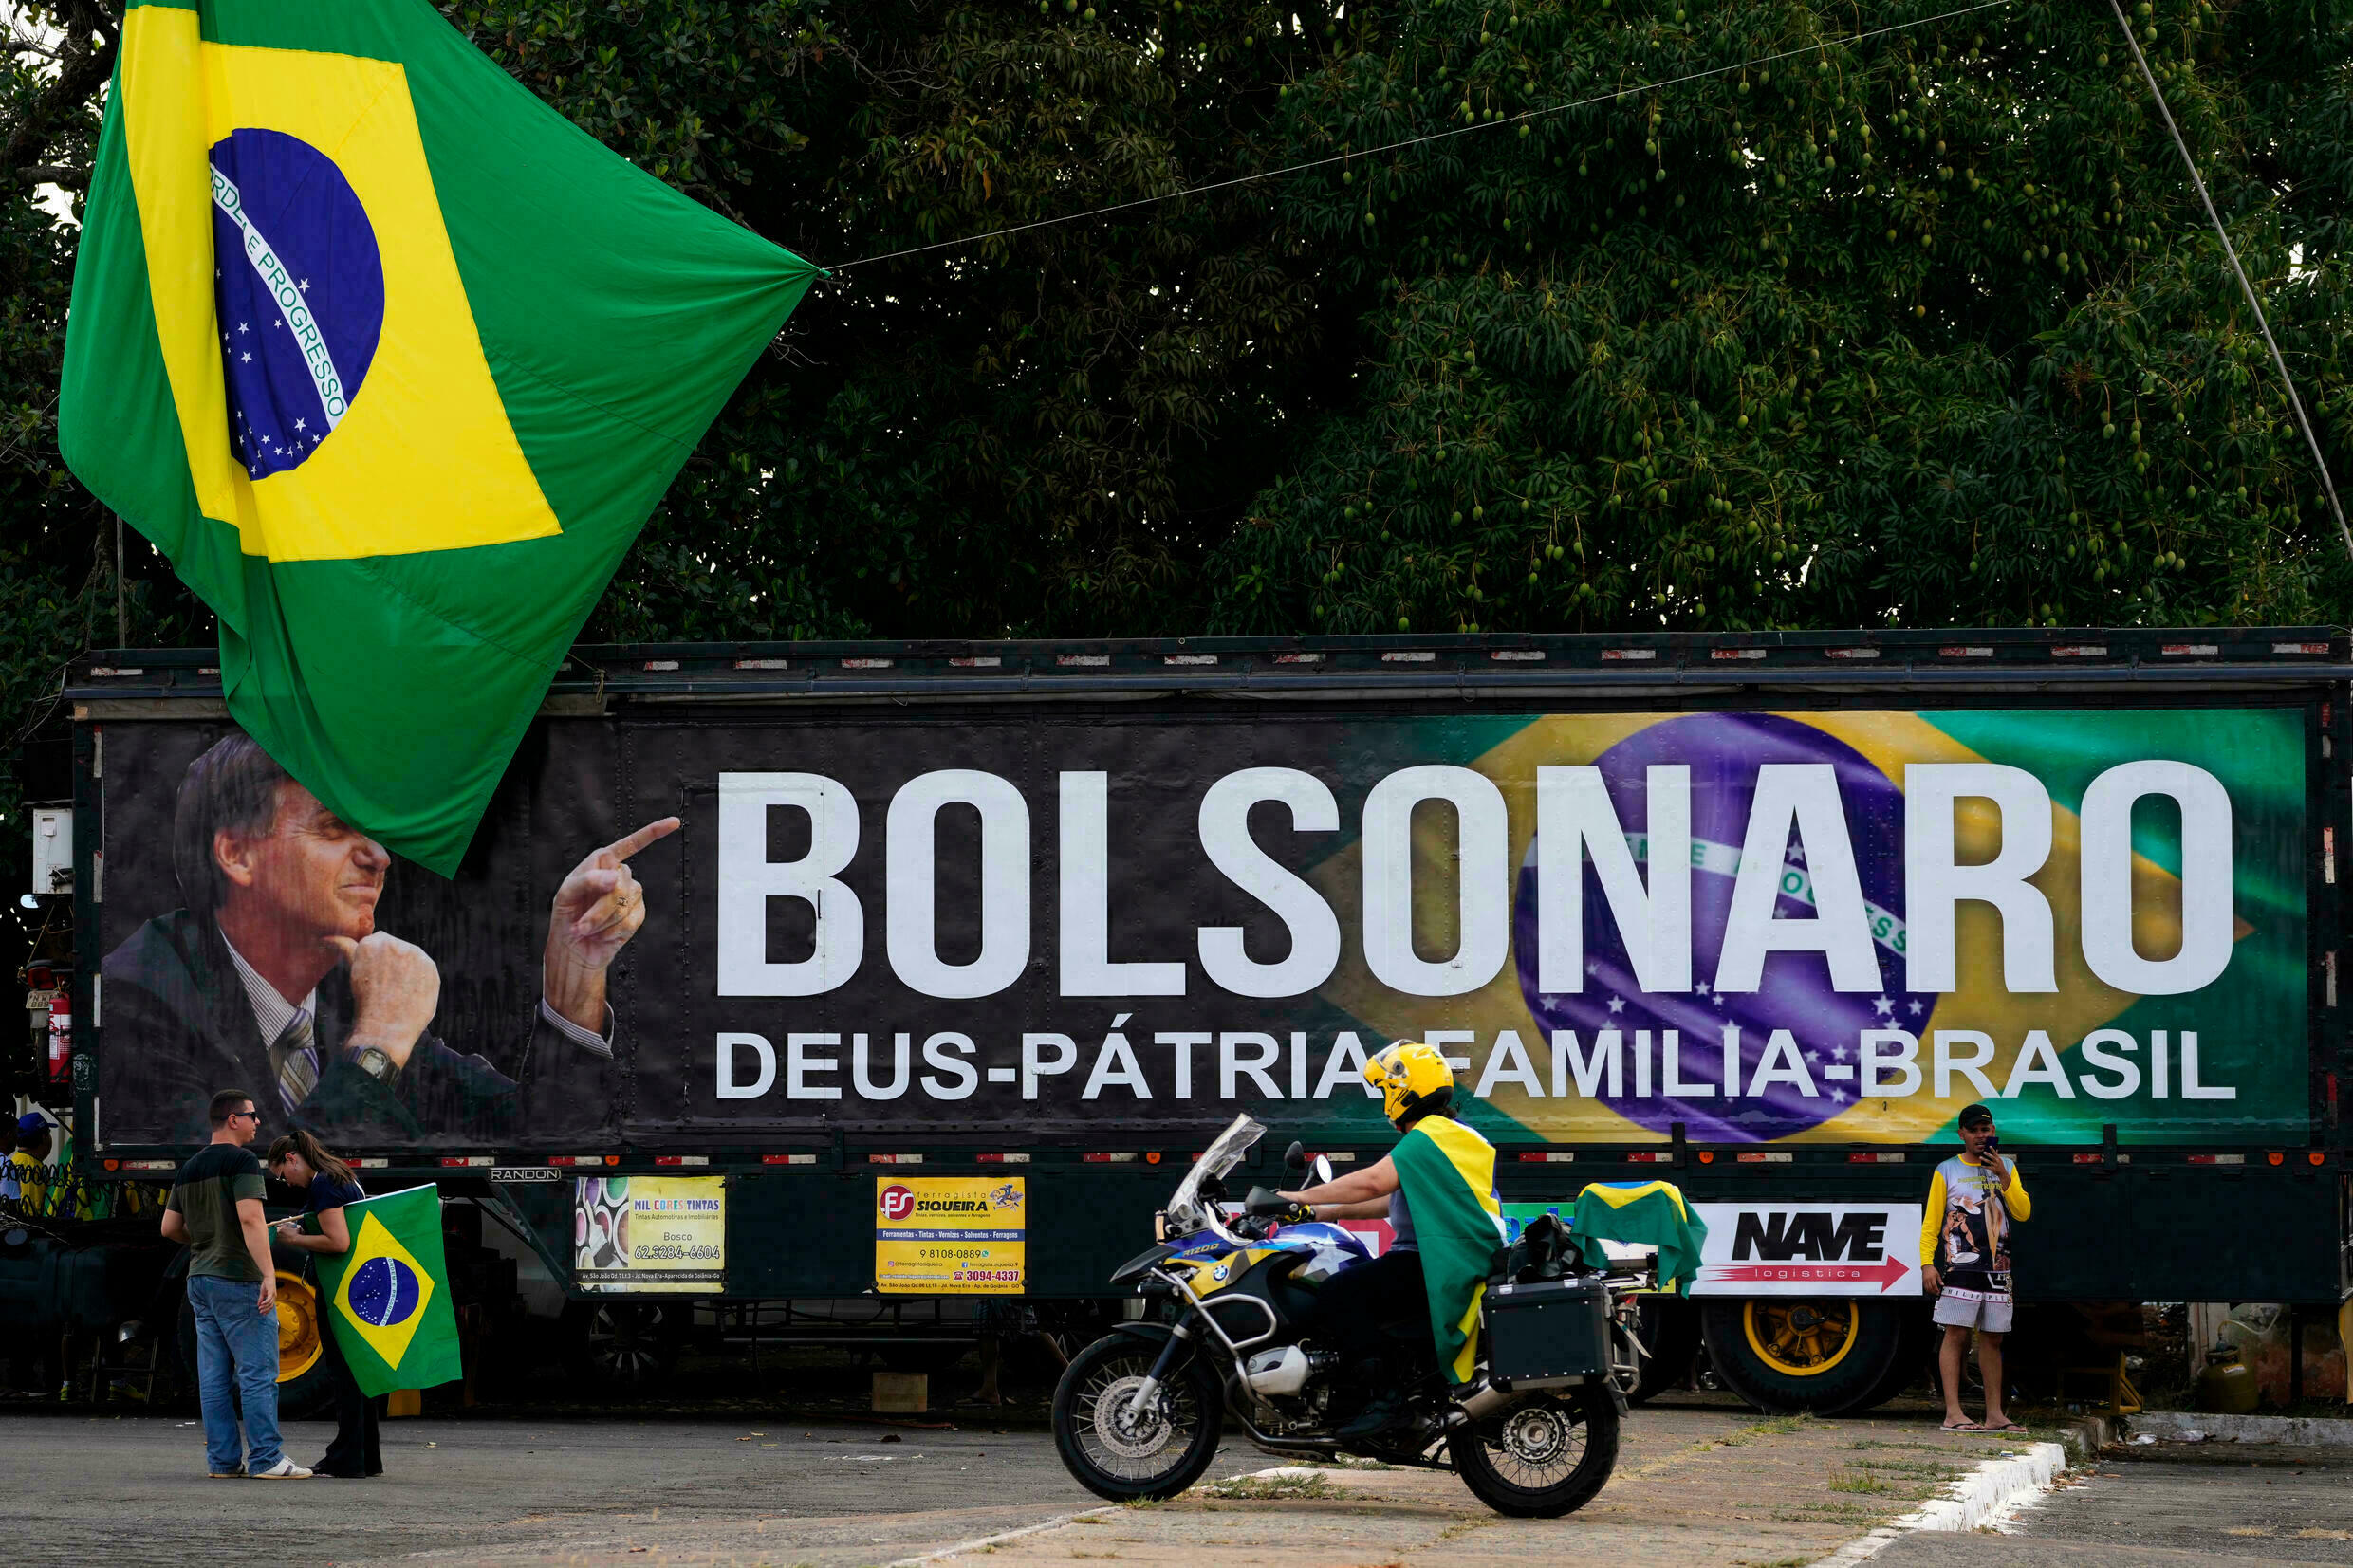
(1704, 314)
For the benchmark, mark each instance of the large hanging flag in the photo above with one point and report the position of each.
(388, 1297)
(391, 361)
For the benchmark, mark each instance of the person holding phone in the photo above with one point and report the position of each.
(304, 1163)
(1973, 1198)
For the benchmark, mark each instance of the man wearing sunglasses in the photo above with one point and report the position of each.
(215, 1208)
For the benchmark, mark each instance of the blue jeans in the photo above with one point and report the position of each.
(237, 1349)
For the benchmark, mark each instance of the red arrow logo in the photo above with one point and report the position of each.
(1886, 1272)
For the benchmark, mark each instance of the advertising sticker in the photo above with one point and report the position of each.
(1810, 1249)
(950, 1235)
(650, 1235)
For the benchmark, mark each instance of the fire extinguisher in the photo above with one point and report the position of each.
(61, 1036)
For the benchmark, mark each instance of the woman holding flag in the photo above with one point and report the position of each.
(303, 1162)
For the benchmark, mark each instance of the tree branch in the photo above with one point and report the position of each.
(55, 174)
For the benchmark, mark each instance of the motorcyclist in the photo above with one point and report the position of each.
(1436, 1188)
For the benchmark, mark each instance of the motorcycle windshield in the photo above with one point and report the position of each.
(1186, 1211)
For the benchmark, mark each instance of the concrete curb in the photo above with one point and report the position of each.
(2301, 1430)
(1980, 1500)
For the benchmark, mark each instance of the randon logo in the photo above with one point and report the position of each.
(898, 1202)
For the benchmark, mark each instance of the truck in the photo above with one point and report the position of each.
(959, 952)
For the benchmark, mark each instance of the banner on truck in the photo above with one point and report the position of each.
(951, 1235)
(1769, 927)
(1810, 1249)
(650, 1235)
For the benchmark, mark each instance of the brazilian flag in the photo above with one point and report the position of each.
(388, 1297)
(391, 361)
(1448, 1173)
(1646, 1213)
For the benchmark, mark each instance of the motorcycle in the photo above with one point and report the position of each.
(1534, 1434)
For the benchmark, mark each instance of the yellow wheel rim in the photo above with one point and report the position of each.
(1801, 1338)
(298, 1327)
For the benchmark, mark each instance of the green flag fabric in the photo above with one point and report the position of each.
(387, 1299)
(1448, 1173)
(1648, 1213)
(391, 361)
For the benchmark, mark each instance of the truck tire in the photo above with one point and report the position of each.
(305, 1383)
(623, 1343)
(1823, 1356)
(1916, 1350)
(1669, 1328)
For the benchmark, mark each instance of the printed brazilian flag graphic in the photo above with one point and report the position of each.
(388, 1297)
(391, 361)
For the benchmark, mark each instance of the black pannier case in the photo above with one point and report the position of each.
(1550, 1331)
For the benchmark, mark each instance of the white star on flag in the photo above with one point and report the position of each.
(248, 359)
(1915, 1008)
(1617, 1004)
(300, 424)
(1884, 1006)
(244, 326)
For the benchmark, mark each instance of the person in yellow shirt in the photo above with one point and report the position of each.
(31, 1183)
(1973, 1199)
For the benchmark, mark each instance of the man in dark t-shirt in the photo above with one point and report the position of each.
(215, 1208)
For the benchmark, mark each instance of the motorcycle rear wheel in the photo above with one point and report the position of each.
(1543, 1458)
(1115, 1455)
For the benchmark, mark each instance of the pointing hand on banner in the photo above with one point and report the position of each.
(597, 910)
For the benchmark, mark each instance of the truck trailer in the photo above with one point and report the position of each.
(961, 950)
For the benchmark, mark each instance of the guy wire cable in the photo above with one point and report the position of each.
(2279, 361)
(1434, 136)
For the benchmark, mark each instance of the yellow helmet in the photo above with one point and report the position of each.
(1413, 1079)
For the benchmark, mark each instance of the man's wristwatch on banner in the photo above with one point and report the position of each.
(377, 1063)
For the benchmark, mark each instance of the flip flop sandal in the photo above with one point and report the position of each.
(2005, 1427)
(1962, 1426)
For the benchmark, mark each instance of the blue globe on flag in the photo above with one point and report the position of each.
(1724, 751)
(299, 284)
(384, 1291)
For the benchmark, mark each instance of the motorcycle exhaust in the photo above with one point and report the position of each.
(1481, 1402)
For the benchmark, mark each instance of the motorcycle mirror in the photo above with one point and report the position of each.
(1296, 1155)
(1323, 1171)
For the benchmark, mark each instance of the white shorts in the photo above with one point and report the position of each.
(1955, 1312)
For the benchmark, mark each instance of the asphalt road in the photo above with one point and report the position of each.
(132, 1491)
(2217, 1507)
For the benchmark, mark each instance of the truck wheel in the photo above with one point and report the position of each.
(1790, 1354)
(1916, 1350)
(623, 1343)
(1542, 1458)
(1669, 1331)
(305, 1383)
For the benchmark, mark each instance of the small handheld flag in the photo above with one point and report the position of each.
(391, 361)
(388, 1297)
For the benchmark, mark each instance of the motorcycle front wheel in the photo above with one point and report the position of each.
(1120, 1451)
(1544, 1457)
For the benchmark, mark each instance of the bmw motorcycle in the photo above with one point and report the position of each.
(1139, 1413)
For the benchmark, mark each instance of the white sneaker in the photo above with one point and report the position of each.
(285, 1469)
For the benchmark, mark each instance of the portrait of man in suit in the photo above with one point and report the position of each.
(273, 973)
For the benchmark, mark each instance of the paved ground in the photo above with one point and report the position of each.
(1694, 1485)
(2209, 1506)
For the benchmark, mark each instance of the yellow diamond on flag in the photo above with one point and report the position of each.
(383, 1292)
